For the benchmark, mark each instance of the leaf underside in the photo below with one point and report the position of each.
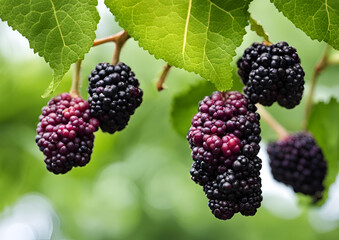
(259, 29)
(198, 35)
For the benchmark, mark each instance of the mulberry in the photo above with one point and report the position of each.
(114, 95)
(272, 73)
(224, 138)
(299, 162)
(65, 133)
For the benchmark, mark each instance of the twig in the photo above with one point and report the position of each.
(113, 38)
(76, 81)
(119, 43)
(273, 123)
(317, 70)
(119, 39)
(162, 79)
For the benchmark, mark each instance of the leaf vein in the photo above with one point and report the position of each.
(212, 3)
(186, 29)
(207, 29)
(57, 22)
(328, 16)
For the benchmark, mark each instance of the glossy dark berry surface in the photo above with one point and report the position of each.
(65, 133)
(224, 138)
(272, 74)
(114, 95)
(239, 188)
(299, 162)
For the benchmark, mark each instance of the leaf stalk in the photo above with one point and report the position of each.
(119, 39)
(323, 63)
(162, 79)
(76, 80)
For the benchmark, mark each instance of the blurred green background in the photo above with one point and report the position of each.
(137, 185)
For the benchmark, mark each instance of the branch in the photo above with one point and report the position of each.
(317, 70)
(113, 38)
(272, 122)
(162, 79)
(76, 81)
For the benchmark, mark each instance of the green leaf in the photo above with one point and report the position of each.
(318, 19)
(324, 125)
(258, 28)
(60, 31)
(199, 36)
(185, 105)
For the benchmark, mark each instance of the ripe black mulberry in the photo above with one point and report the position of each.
(298, 161)
(114, 95)
(272, 73)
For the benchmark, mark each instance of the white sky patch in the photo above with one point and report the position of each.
(282, 202)
(326, 218)
(31, 217)
(15, 48)
(107, 24)
(324, 93)
(279, 199)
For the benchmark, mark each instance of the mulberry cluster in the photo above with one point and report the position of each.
(299, 162)
(114, 95)
(224, 138)
(272, 73)
(65, 133)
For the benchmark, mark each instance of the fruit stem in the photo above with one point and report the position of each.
(76, 81)
(272, 122)
(162, 79)
(267, 43)
(120, 38)
(119, 43)
(319, 67)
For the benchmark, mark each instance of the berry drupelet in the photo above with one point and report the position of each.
(299, 162)
(224, 138)
(114, 95)
(65, 133)
(272, 73)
